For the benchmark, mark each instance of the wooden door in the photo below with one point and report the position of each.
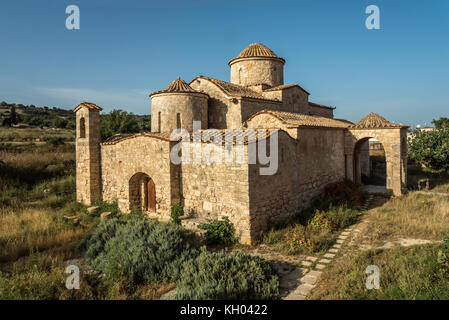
(151, 198)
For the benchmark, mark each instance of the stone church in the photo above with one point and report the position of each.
(314, 148)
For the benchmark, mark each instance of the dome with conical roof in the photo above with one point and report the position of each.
(257, 50)
(177, 86)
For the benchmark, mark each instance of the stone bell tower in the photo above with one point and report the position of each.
(87, 152)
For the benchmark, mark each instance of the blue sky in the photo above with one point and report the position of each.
(127, 49)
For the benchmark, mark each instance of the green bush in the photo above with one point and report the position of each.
(430, 148)
(176, 211)
(138, 250)
(219, 231)
(339, 193)
(341, 216)
(218, 276)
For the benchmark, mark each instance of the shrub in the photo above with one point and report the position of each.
(138, 250)
(341, 216)
(219, 231)
(176, 211)
(220, 276)
(430, 148)
(339, 193)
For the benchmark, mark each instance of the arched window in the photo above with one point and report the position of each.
(82, 128)
(159, 121)
(178, 121)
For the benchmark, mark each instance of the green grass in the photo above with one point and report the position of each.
(319, 229)
(405, 273)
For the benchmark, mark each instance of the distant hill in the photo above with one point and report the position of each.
(52, 117)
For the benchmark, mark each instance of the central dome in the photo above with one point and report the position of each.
(257, 65)
(257, 50)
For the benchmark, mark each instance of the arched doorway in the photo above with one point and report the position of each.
(142, 193)
(370, 166)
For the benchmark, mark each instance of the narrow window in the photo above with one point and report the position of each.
(178, 121)
(82, 128)
(159, 121)
(240, 75)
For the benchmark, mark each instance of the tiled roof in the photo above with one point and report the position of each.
(88, 105)
(177, 86)
(235, 90)
(125, 136)
(375, 121)
(257, 50)
(286, 86)
(303, 120)
(246, 136)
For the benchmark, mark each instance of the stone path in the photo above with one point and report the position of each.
(310, 277)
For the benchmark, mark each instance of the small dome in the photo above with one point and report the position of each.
(177, 86)
(256, 50)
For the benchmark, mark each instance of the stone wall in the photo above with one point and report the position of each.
(142, 154)
(274, 198)
(321, 160)
(223, 112)
(189, 106)
(321, 111)
(216, 190)
(257, 70)
(249, 107)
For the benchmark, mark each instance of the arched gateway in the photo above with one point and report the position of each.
(393, 138)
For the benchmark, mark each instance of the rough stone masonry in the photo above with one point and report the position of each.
(314, 149)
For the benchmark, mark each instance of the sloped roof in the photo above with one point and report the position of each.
(304, 120)
(375, 121)
(88, 105)
(257, 50)
(235, 90)
(245, 136)
(177, 86)
(125, 136)
(286, 86)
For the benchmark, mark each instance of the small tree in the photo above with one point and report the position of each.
(118, 121)
(430, 148)
(440, 123)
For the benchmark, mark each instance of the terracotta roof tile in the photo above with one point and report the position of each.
(235, 90)
(303, 120)
(125, 136)
(88, 105)
(375, 121)
(256, 50)
(177, 86)
(286, 86)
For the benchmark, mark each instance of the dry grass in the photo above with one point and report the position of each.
(33, 229)
(412, 216)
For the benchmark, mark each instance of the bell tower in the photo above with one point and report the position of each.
(87, 152)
